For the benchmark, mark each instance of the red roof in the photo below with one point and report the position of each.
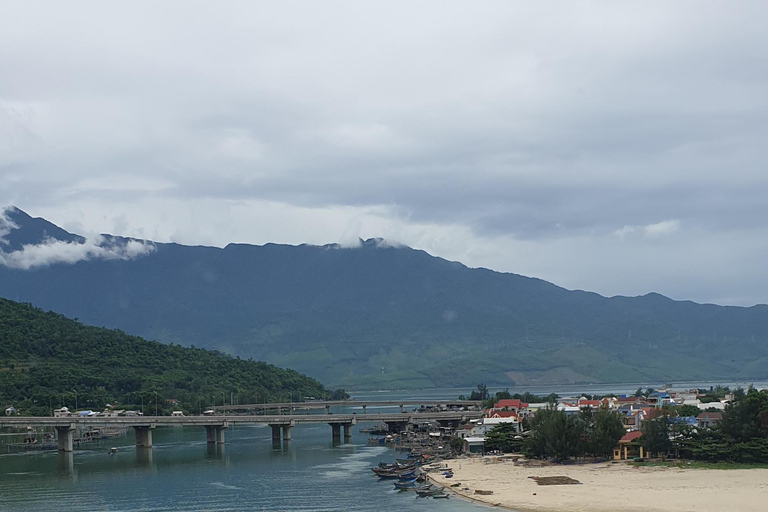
(710, 416)
(630, 436)
(502, 414)
(589, 403)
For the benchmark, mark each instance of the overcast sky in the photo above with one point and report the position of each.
(619, 147)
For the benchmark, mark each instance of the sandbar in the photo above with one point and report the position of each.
(609, 487)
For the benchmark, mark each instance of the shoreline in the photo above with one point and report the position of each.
(454, 491)
(607, 487)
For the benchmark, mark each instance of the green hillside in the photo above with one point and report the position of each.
(381, 316)
(45, 358)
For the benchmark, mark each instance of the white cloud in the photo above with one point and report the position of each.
(6, 225)
(51, 251)
(662, 228)
(665, 227)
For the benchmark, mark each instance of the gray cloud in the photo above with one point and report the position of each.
(522, 137)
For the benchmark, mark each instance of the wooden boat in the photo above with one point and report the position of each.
(429, 493)
(402, 475)
(416, 488)
(406, 484)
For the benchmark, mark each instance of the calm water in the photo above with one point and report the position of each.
(181, 472)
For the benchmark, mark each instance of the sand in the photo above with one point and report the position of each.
(610, 487)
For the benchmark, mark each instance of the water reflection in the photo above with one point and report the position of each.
(216, 452)
(65, 466)
(144, 457)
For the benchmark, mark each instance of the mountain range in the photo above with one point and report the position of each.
(376, 315)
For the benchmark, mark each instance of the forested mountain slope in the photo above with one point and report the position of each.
(383, 316)
(45, 358)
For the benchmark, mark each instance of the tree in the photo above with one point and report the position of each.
(481, 393)
(340, 394)
(607, 429)
(503, 437)
(553, 434)
(687, 410)
(741, 420)
(655, 431)
(457, 444)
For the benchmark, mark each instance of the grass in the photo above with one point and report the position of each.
(698, 464)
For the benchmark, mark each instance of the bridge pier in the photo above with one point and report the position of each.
(336, 430)
(275, 435)
(64, 435)
(336, 433)
(214, 434)
(395, 427)
(144, 435)
(281, 431)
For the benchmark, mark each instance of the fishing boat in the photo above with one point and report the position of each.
(429, 493)
(406, 484)
(406, 473)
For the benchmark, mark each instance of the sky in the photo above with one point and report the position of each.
(617, 147)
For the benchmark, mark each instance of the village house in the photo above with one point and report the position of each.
(498, 417)
(520, 408)
(708, 419)
(568, 409)
(61, 413)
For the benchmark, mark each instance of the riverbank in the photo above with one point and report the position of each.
(609, 487)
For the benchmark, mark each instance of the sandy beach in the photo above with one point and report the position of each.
(611, 487)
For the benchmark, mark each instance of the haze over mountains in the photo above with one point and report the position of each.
(377, 315)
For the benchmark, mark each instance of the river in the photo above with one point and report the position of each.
(182, 473)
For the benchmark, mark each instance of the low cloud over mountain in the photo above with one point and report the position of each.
(50, 250)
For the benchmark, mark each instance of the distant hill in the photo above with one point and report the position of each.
(381, 316)
(45, 358)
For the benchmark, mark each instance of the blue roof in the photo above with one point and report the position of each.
(688, 420)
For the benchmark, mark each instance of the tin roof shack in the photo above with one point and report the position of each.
(474, 445)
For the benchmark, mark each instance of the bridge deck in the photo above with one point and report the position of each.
(350, 403)
(296, 419)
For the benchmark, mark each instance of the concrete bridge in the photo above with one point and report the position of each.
(363, 404)
(216, 425)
